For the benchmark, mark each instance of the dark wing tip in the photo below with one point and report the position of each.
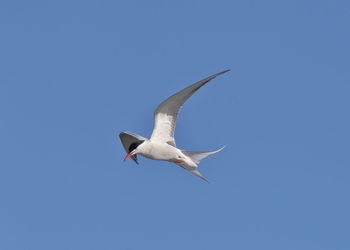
(223, 72)
(215, 75)
(204, 81)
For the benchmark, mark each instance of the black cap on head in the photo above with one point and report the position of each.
(134, 145)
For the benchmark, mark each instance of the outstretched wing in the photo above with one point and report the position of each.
(166, 113)
(130, 141)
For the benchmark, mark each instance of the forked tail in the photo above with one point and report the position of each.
(198, 156)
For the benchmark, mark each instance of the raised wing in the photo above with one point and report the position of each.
(130, 141)
(166, 113)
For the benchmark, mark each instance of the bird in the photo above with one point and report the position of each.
(161, 145)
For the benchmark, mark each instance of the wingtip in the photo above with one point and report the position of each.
(221, 73)
(224, 71)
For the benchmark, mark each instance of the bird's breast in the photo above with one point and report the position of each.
(160, 151)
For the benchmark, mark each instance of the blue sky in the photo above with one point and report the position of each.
(76, 73)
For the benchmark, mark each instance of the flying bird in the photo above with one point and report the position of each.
(161, 145)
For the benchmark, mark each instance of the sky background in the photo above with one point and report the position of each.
(74, 74)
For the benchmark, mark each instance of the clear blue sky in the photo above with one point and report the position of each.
(76, 73)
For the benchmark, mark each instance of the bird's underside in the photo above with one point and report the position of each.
(161, 145)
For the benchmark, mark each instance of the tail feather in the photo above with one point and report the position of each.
(198, 156)
(197, 173)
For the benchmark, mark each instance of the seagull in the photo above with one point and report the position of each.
(161, 145)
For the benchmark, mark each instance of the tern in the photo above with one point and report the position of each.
(161, 145)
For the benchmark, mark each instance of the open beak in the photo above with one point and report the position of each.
(129, 155)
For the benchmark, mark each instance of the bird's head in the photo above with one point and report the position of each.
(134, 149)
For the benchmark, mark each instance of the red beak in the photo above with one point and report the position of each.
(128, 155)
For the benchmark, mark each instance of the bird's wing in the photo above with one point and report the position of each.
(166, 113)
(130, 141)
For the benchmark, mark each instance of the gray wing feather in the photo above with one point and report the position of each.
(166, 113)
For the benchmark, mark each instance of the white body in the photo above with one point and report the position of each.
(165, 152)
(161, 145)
